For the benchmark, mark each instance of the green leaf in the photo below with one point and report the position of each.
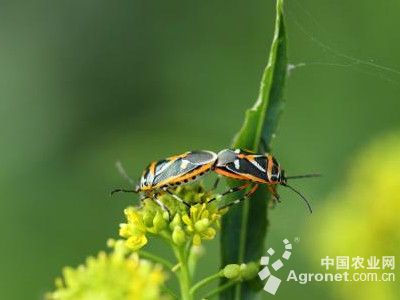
(244, 227)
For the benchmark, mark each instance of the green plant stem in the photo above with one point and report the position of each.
(194, 254)
(168, 265)
(220, 289)
(243, 231)
(169, 291)
(192, 262)
(204, 281)
(184, 276)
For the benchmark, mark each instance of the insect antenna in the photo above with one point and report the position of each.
(298, 193)
(303, 176)
(123, 173)
(122, 190)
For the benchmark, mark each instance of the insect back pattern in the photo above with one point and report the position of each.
(161, 176)
(254, 169)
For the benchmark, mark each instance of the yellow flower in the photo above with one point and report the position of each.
(135, 242)
(140, 222)
(135, 219)
(362, 217)
(202, 222)
(114, 276)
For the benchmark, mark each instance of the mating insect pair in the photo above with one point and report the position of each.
(254, 169)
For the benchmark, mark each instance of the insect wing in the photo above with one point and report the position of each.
(183, 168)
(252, 167)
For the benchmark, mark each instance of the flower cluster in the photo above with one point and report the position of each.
(117, 275)
(362, 216)
(181, 225)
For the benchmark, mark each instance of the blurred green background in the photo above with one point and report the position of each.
(86, 83)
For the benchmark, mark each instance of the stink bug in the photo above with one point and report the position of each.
(255, 169)
(160, 176)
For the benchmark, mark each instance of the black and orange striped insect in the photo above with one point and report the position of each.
(161, 176)
(254, 169)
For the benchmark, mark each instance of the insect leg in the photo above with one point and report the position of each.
(162, 205)
(215, 185)
(231, 190)
(274, 193)
(176, 197)
(141, 201)
(237, 201)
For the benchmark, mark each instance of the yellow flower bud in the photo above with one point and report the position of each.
(59, 282)
(202, 225)
(232, 271)
(196, 240)
(186, 220)
(165, 215)
(193, 210)
(209, 233)
(124, 230)
(249, 271)
(178, 236)
(205, 214)
(176, 221)
(133, 217)
(111, 243)
(148, 218)
(159, 222)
